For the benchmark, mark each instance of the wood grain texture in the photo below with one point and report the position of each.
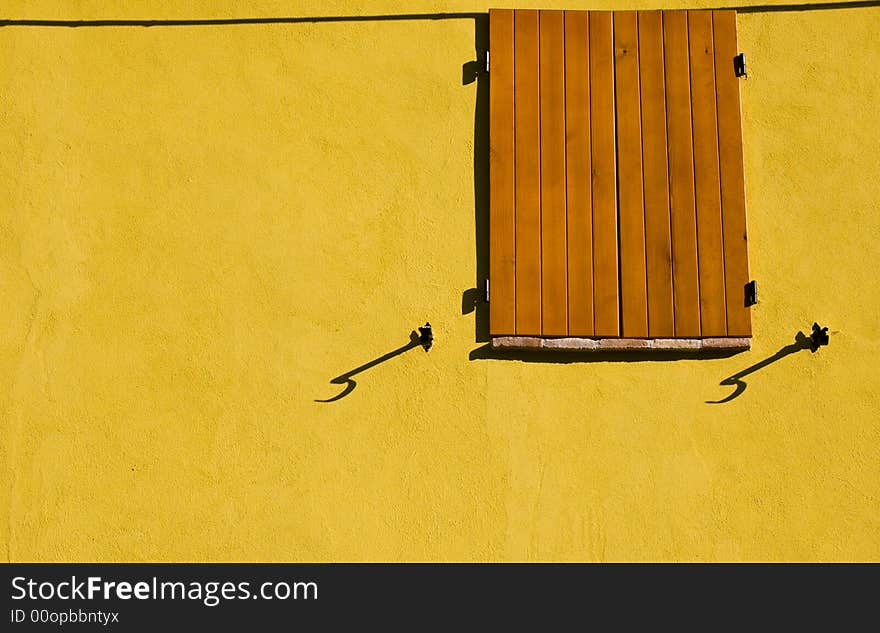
(616, 168)
(528, 173)
(554, 253)
(658, 237)
(730, 154)
(685, 275)
(502, 209)
(631, 211)
(604, 176)
(707, 179)
(578, 168)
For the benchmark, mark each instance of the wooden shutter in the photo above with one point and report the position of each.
(616, 175)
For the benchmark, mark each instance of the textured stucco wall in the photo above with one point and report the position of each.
(201, 226)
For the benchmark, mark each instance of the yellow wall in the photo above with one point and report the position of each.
(200, 226)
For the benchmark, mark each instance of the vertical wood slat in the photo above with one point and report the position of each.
(631, 212)
(658, 242)
(730, 150)
(527, 132)
(604, 176)
(502, 218)
(578, 169)
(707, 179)
(554, 282)
(686, 289)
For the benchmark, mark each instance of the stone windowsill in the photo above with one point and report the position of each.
(619, 344)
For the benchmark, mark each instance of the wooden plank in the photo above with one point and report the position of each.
(707, 179)
(658, 240)
(631, 219)
(604, 182)
(554, 265)
(502, 209)
(681, 175)
(730, 153)
(527, 126)
(578, 167)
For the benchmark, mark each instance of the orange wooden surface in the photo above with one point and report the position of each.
(502, 218)
(616, 166)
(686, 283)
(631, 210)
(554, 252)
(707, 179)
(578, 167)
(730, 153)
(527, 128)
(658, 239)
(606, 305)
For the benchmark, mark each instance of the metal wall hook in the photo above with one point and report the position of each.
(426, 336)
(818, 337)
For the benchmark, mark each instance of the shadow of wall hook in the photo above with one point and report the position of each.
(818, 337)
(426, 336)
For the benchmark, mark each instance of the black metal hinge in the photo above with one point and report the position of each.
(751, 293)
(739, 65)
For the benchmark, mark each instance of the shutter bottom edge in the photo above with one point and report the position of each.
(579, 344)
